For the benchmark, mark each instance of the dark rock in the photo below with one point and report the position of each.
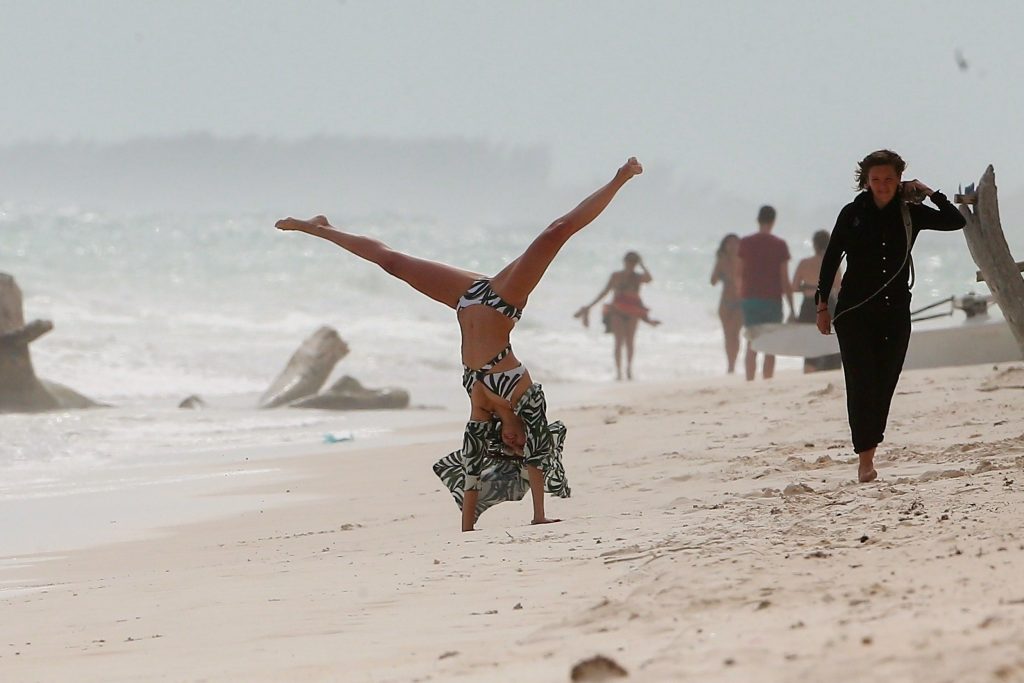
(193, 402)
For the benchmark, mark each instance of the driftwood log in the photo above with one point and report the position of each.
(20, 389)
(307, 370)
(348, 394)
(985, 239)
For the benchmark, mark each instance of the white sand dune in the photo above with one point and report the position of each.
(715, 533)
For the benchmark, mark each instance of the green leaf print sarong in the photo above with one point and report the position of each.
(482, 464)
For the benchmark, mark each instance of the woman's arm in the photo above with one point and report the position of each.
(800, 278)
(583, 313)
(645, 276)
(833, 256)
(716, 272)
(830, 269)
(604, 292)
(946, 218)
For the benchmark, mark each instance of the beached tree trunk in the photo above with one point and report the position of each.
(348, 394)
(20, 389)
(307, 370)
(985, 239)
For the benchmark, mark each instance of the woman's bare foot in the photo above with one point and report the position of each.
(544, 520)
(631, 168)
(294, 224)
(301, 225)
(866, 469)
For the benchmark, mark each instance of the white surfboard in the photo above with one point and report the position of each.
(792, 339)
(978, 340)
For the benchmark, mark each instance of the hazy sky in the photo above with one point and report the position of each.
(774, 98)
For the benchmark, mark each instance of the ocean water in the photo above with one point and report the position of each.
(149, 309)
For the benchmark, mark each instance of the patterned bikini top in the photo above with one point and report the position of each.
(480, 292)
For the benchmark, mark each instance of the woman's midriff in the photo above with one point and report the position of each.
(485, 332)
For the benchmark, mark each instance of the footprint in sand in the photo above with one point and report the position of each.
(1010, 378)
(796, 490)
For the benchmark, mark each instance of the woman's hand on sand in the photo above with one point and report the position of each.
(296, 224)
(544, 520)
(824, 321)
(631, 168)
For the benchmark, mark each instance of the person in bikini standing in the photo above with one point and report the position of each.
(730, 310)
(507, 409)
(625, 310)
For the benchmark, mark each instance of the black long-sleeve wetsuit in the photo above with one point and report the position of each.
(873, 336)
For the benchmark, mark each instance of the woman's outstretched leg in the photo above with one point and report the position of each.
(440, 282)
(518, 279)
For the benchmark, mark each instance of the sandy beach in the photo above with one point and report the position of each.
(715, 533)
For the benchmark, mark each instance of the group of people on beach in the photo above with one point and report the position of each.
(754, 278)
(876, 233)
(510, 446)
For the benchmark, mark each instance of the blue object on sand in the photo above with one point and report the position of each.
(338, 438)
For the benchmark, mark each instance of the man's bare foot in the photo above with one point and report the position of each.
(653, 323)
(544, 520)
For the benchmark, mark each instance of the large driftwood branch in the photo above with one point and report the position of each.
(985, 239)
(978, 277)
(348, 394)
(20, 389)
(26, 335)
(307, 370)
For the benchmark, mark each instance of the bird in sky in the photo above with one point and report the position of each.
(960, 61)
